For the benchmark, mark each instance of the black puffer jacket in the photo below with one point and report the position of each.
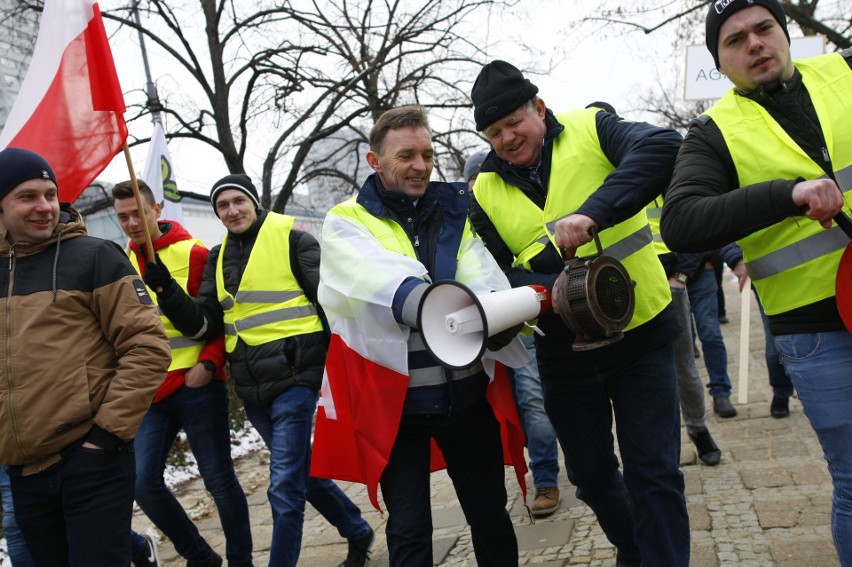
(703, 211)
(260, 373)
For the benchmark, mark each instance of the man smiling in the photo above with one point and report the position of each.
(259, 286)
(84, 352)
(380, 248)
(550, 179)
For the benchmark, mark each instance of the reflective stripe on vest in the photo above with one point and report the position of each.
(185, 351)
(792, 263)
(269, 304)
(433, 375)
(526, 229)
(654, 211)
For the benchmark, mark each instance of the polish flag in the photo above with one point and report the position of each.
(359, 412)
(70, 108)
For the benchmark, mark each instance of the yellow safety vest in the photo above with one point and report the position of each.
(526, 229)
(185, 351)
(269, 304)
(793, 262)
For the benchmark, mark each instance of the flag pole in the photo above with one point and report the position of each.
(745, 332)
(149, 246)
(154, 105)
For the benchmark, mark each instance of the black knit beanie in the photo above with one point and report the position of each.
(238, 181)
(498, 91)
(18, 165)
(721, 10)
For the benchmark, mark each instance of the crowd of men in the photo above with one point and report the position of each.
(108, 353)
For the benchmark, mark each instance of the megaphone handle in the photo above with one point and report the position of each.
(844, 223)
(593, 232)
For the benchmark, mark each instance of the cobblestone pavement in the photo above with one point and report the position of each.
(766, 504)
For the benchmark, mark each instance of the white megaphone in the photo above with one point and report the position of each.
(455, 323)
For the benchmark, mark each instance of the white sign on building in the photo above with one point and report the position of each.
(703, 81)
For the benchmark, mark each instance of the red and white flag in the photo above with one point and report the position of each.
(70, 109)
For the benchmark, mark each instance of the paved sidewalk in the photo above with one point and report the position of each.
(766, 504)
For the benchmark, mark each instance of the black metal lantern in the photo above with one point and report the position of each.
(596, 299)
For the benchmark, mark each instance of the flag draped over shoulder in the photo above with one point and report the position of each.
(358, 415)
(159, 174)
(366, 373)
(70, 109)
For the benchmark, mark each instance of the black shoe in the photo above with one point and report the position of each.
(213, 560)
(708, 452)
(359, 550)
(621, 561)
(780, 407)
(149, 558)
(723, 407)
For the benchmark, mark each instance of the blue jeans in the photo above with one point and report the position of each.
(203, 415)
(285, 426)
(470, 443)
(539, 433)
(702, 291)
(642, 511)
(781, 384)
(820, 365)
(15, 544)
(68, 511)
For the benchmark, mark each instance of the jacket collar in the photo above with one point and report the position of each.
(172, 231)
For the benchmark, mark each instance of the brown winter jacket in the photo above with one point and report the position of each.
(83, 347)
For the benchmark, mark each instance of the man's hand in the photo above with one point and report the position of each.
(157, 276)
(676, 283)
(571, 232)
(741, 273)
(820, 199)
(198, 376)
(499, 340)
(554, 294)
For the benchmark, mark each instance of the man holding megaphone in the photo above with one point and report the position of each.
(380, 251)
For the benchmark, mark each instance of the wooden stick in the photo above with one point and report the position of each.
(149, 246)
(745, 323)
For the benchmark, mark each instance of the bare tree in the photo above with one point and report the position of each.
(830, 18)
(686, 19)
(277, 78)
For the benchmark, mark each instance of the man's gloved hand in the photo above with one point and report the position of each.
(158, 277)
(499, 340)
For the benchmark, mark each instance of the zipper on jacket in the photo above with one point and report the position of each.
(416, 240)
(12, 409)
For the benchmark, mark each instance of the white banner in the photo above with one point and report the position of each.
(703, 81)
(160, 176)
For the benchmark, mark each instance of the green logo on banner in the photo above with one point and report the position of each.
(170, 190)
